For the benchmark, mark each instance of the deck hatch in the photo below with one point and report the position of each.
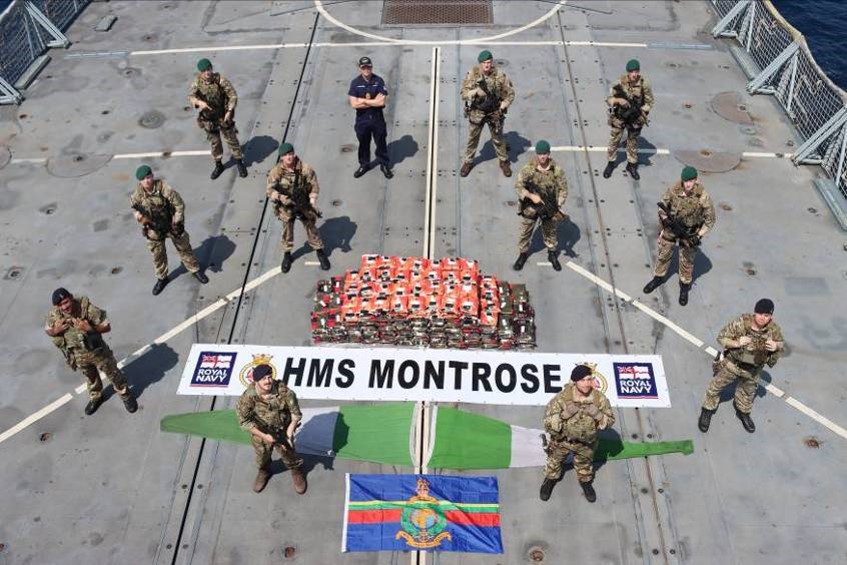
(437, 12)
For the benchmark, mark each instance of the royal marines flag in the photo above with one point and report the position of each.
(422, 512)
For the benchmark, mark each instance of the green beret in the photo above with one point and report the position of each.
(204, 65)
(285, 149)
(633, 65)
(143, 171)
(542, 147)
(484, 56)
(688, 173)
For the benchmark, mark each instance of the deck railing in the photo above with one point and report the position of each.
(27, 30)
(777, 60)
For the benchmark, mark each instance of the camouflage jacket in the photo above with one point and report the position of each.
(692, 211)
(302, 178)
(276, 411)
(550, 184)
(568, 418)
(74, 339)
(218, 93)
(640, 91)
(163, 206)
(750, 360)
(497, 83)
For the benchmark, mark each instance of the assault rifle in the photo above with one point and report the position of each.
(628, 114)
(490, 103)
(303, 208)
(278, 433)
(162, 227)
(547, 209)
(687, 237)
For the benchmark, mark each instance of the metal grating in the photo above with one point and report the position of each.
(437, 12)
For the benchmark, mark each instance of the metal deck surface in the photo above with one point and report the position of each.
(111, 488)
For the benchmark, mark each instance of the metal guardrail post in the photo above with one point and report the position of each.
(840, 167)
(8, 94)
(824, 132)
(757, 84)
(59, 38)
(720, 30)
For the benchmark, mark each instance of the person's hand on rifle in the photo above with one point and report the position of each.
(141, 218)
(534, 198)
(477, 92)
(228, 117)
(621, 102)
(503, 105)
(82, 325)
(201, 105)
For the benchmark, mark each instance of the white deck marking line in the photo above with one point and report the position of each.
(776, 391)
(390, 40)
(431, 157)
(557, 148)
(208, 310)
(35, 417)
(384, 43)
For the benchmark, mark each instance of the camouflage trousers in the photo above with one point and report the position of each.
(160, 254)
(263, 454)
(745, 390)
(214, 132)
(92, 363)
(631, 143)
(548, 231)
(312, 236)
(496, 138)
(686, 260)
(583, 460)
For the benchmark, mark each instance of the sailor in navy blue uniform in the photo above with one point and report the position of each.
(367, 95)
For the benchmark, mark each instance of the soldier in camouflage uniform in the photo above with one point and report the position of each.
(269, 411)
(630, 92)
(76, 326)
(572, 419)
(487, 93)
(541, 184)
(293, 189)
(216, 98)
(750, 342)
(161, 212)
(692, 207)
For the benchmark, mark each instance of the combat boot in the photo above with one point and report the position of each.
(746, 421)
(323, 259)
(504, 166)
(200, 276)
(93, 405)
(160, 285)
(130, 404)
(683, 293)
(588, 491)
(286, 262)
(552, 256)
(466, 168)
(546, 489)
(216, 172)
(654, 283)
(298, 479)
(632, 169)
(242, 169)
(705, 419)
(607, 172)
(519, 262)
(262, 478)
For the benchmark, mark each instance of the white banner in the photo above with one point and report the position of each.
(437, 375)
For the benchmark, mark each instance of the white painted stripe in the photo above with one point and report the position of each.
(755, 155)
(604, 44)
(190, 153)
(659, 318)
(819, 418)
(17, 160)
(544, 264)
(711, 351)
(430, 155)
(208, 310)
(311, 263)
(32, 418)
(776, 391)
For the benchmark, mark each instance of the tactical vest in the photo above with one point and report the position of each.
(755, 354)
(212, 94)
(635, 94)
(272, 412)
(688, 208)
(74, 339)
(580, 427)
(156, 207)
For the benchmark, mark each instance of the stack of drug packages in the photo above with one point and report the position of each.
(412, 301)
